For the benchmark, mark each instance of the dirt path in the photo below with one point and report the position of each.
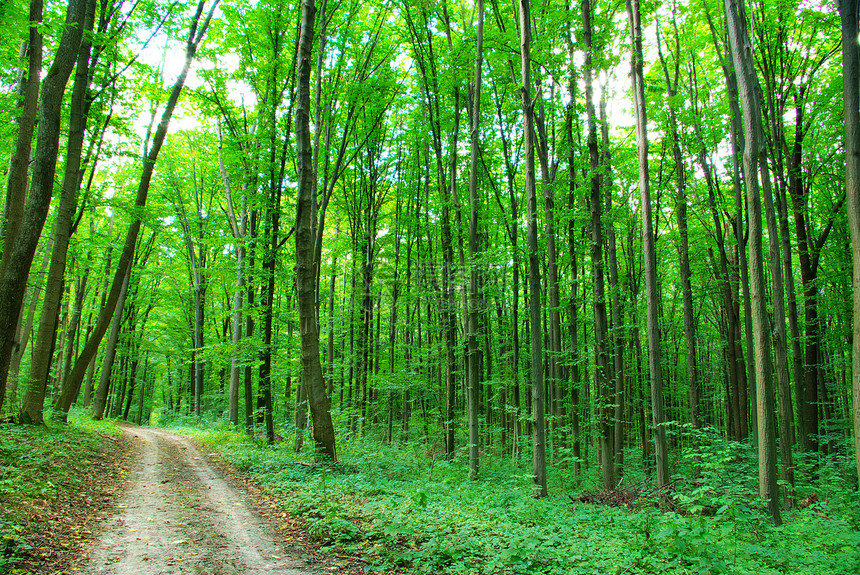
(179, 515)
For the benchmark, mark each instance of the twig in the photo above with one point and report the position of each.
(348, 558)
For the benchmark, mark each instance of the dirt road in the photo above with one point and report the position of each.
(179, 515)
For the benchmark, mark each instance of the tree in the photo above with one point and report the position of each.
(19, 248)
(535, 331)
(755, 166)
(306, 276)
(851, 96)
(654, 366)
(31, 410)
(475, 296)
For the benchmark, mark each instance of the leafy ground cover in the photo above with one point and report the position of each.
(401, 509)
(54, 484)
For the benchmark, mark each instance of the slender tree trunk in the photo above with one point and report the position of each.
(850, 82)
(755, 159)
(575, 379)
(330, 335)
(617, 312)
(475, 297)
(101, 393)
(393, 326)
(513, 235)
(236, 340)
(602, 376)
(249, 326)
(535, 331)
(681, 218)
(305, 270)
(651, 294)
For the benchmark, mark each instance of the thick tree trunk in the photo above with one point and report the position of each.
(19, 166)
(18, 252)
(25, 325)
(305, 270)
(34, 400)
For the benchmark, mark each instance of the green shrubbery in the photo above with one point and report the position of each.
(402, 505)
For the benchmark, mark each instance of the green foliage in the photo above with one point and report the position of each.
(402, 505)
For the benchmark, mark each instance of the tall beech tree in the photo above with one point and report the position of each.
(31, 410)
(755, 172)
(652, 297)
(851, 95)
(306, 276)
(535, 326)
(475, 287)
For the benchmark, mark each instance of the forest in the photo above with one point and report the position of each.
(600, 249)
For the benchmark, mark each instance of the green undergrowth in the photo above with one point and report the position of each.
(38, 466)
(403, 509)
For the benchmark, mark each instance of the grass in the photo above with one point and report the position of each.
(405, 510)
(39, 466)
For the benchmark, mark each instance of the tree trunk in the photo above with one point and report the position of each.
(617, 312)
(755, 160)
(473, 360)
(603, 375)
(850, 82)
(18, 254)
(681, 218)
(305, 269)
(651, 294)
(100, 397)
(34, 400)
(535, 331)
(19, 165)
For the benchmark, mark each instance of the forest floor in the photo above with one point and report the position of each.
(173, 507)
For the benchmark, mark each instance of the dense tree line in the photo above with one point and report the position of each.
(445, 222)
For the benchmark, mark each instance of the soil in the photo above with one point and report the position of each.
(177, 510)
